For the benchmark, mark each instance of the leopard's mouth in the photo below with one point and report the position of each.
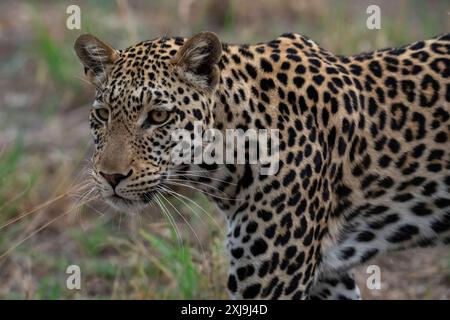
(118, 202)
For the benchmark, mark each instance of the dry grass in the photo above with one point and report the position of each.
(44, 144)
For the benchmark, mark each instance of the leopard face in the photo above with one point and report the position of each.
(143, 95)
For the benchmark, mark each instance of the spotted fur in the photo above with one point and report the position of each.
(364, 153)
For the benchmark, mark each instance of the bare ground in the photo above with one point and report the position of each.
(412, 274)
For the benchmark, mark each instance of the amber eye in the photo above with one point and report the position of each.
(101, 114)
(156, 117)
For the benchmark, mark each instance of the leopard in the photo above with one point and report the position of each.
(363, 153)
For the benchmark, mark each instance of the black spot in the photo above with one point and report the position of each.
(285, 65)
(289, 178)
(252, 227)
(232, 283)
(368, 255)
(258, 247)
(264, 214)
(375, 67)
(282, 78)
(237, 253)
(379, 224)
(403, 197)
(430, 99)
(442, 202)
(394, 146)
(429, 188)
(417, 45)
(267, 290)
(318, 79)
(251, 70)
(275, 57)
(343, 190)
(435, 154)
(267, 84)
(434, 167)
(441, 137)
(245, 272)
(308, 238)
(251, 291)
(405, 232)
(365, 236)
(236, 58)
(312, 93)
(270, 231)
(443, 224)
(266, 65)
(347, 253)
(342, 145)
(198, 114)
(418, 151)
(375, 210)
(293, 284)
(247, 178)
(298, 81)
(264, 268)
(386, 182)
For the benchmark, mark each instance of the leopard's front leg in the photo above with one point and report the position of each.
(273, 255)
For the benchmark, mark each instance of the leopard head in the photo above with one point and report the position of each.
(143, 95)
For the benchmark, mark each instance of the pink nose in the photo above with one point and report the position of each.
(115, 178)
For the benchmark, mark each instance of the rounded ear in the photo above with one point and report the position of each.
(197, 59)
(96, 56)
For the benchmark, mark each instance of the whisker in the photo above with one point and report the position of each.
(176, 195)
(187, 222)
(200, 171)
(95, 209)
(181, 197)
(37, 208)
(12, 248)
(176, 182)
(18, 196)
(171, 221)
(85, 80)
(200, 176)
(198, 182)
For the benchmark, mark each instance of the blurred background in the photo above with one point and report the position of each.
(46, 223)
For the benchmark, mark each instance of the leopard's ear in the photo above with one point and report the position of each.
(96, 56)
(197, 60)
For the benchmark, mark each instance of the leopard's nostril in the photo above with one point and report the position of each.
(115, 178)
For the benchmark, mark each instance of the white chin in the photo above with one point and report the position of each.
(122, 204)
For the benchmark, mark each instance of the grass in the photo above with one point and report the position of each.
(175, 262)
(14, 188)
